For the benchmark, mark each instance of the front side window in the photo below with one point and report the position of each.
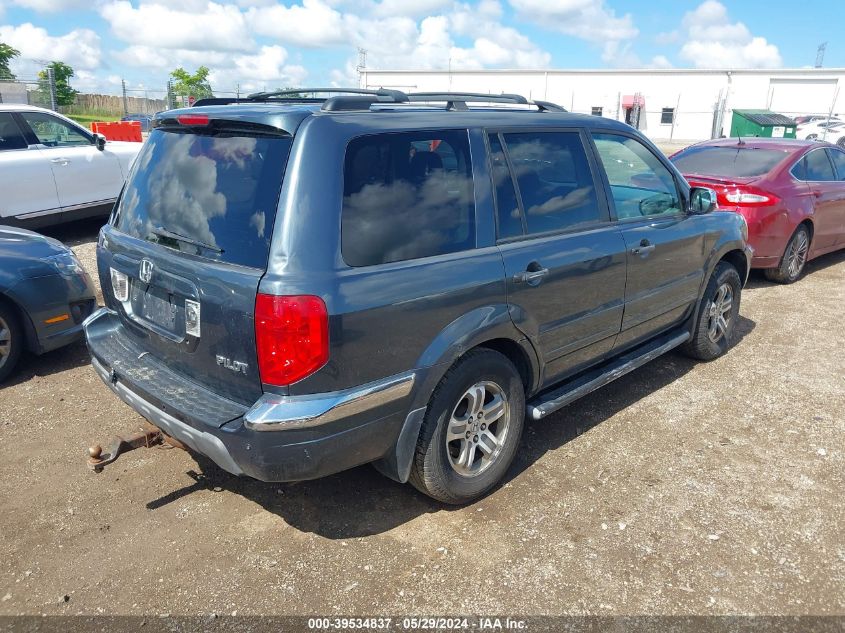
(10, 134)
(554, 180)
(817, 167)
(53, 132)
(407, 195)
(640, 184)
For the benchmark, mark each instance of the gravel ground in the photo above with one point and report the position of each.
(682, 488)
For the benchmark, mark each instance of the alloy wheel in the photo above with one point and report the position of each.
(477, 429)
(719, 316)
(5, 342)
(797, 255)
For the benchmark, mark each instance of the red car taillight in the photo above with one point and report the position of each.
(291, 337)
(745, 196)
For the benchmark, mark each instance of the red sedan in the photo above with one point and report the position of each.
(791, 193)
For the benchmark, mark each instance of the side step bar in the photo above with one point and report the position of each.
(551, 401)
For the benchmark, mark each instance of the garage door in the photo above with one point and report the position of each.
(801, 96)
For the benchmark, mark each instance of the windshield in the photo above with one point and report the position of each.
(212, 195)
(732, 162)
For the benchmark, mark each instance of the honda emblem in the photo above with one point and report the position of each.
(145, 273)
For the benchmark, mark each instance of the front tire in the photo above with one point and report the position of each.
(471, 430)
(718, 312)
(794, 258)
(11, 340)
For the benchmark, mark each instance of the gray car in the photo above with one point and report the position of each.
(45, 295)
(296, 287)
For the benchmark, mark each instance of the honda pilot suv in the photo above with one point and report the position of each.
(295, 287)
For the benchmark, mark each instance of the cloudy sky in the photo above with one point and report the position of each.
(269, 44)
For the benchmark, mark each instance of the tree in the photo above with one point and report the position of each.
(7, 54)
(65, 95)
(188, 85)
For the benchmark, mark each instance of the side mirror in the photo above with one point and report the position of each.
(99, 141)
(702, 200)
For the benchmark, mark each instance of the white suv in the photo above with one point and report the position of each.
(53, 170)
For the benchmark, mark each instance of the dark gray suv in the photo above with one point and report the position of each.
(296, 286)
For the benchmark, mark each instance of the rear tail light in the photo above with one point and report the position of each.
(745, 196)
(193, 119)
(119, 285)
(291, 336)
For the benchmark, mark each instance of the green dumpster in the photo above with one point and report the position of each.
(762, 123)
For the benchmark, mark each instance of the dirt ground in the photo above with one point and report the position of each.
(683, 488)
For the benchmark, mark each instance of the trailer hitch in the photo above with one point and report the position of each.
(145, 438)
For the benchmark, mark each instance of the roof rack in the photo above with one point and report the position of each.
(347, 99)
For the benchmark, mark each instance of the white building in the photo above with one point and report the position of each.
(679, 105)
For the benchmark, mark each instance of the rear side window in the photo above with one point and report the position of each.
(213, 195)
(509, 217)
(10, 134)
(838, 158)
(817, 167)
(554, 179)
(407, 195)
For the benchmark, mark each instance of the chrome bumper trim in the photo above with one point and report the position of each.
(273, 412)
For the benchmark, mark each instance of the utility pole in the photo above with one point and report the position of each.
(361, 68)
(820, 54)
(51, 78)
(125, 102)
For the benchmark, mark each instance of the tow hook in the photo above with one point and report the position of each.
(144, 438)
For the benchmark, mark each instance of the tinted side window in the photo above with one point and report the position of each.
(407, 195)
(838, 158)
(507, 208)
(10, 134)
(818, 166)
(554, 178)
(53, 132)
(640, 184)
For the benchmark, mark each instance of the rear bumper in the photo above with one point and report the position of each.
(311, 436)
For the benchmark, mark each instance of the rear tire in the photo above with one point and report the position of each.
(794, 258)
(11, 340)
(718, 312)
(460, 454)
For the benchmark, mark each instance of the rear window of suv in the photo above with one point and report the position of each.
(211, 194)
(407, 195)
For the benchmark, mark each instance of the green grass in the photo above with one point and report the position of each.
(87, 119)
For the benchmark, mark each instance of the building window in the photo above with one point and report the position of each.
(597, 111)
(667, 115)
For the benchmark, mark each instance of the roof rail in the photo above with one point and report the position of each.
(363, 98)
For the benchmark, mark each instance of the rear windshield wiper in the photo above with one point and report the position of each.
(162, 232)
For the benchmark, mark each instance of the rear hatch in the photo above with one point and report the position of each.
(191, 233)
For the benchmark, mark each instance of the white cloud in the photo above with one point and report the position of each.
(79, 48)
(311, 24)
(713, 41)
(408, 8)
(215, 26)
(589, 20)
(660, 61)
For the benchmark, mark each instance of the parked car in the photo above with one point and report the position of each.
(791, 193)
(814, 118)
(296, 288)
(144, 119)
(53, 170)
(45, 294)
(818, 130)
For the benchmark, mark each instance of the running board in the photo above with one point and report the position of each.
(549, 402)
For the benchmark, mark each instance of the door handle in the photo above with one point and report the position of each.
(59, 161)
(531, 277)
(643, 249)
